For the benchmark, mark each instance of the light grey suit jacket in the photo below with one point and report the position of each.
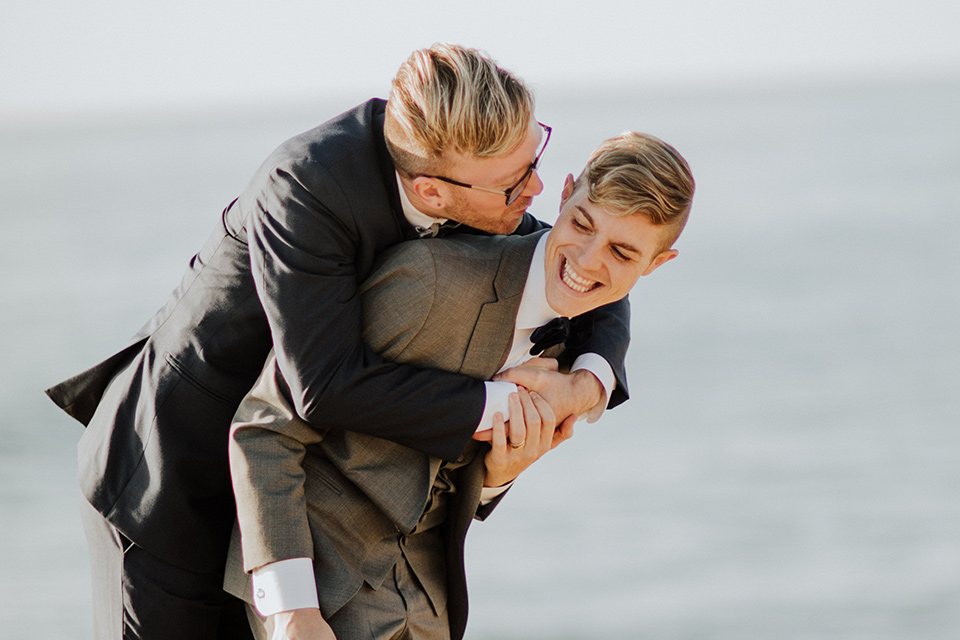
(333, 495)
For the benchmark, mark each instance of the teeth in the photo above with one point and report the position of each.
(574, 280)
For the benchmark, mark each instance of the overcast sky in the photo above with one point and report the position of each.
(69, 56)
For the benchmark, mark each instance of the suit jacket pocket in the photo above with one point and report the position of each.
(315, 471)
(194, 380)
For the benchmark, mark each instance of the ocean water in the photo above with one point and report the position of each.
(789, 464)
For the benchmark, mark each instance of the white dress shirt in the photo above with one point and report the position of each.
(289, 584)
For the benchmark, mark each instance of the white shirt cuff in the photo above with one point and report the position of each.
(285, 585)
(599, 367)
(498, 397)
(487, 494)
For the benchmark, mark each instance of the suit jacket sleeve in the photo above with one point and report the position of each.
(303, 260)
(610, 339)
(267, 446)
(269, 441)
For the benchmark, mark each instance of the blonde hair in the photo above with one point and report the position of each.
(450, 97)
(636, 173)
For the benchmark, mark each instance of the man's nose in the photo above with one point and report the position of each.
(534, 186)
(590, 256)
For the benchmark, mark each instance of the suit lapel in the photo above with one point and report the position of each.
(385, 470)
(493, 334)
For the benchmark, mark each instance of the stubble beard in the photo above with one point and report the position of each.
(504, 224)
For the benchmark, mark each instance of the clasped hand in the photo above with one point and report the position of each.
(515, 445)
(570, 395)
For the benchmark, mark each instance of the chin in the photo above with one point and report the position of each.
(578, 310)
(503, 227)
(512, 226)
(516, 217)
(568, 308)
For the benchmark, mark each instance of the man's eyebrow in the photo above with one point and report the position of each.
(622, 245)
(585, 214)
(513, 177)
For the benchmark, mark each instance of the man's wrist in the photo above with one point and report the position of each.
(301, 623)
(493, 482)
(589, 387)
(599, 367)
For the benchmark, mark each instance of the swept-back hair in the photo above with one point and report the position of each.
(450, 97)
(637, 173)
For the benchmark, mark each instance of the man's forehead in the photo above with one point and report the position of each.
(507, 167)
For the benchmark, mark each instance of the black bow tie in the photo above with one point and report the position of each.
(571, 332)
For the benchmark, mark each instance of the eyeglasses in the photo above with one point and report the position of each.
(513, 193)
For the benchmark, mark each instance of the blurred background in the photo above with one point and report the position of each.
(789, 465)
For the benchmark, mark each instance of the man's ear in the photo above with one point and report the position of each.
(428, 192)
(662, 258)
(567, 189)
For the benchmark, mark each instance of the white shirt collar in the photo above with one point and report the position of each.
(413, 215)
(534, 310)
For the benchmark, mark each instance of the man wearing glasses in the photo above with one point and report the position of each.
(282, 272)
(513, 192)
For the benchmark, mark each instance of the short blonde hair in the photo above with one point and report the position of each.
(450, 97)
(637, 173)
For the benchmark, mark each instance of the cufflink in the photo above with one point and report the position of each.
(260, 594)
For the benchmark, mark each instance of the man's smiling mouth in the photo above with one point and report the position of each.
(574, 280)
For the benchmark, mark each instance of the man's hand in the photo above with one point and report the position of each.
(569, 394)
(531, 433)
(301, 624)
